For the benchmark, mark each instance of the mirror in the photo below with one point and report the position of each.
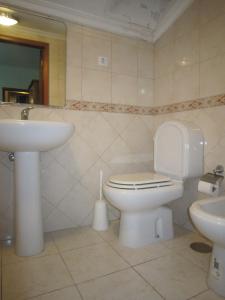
(32, 59)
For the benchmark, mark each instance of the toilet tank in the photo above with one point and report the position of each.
(178, 150)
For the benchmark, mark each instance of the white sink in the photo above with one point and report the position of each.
(27, 138)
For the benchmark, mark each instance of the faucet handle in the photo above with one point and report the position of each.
(25, 112)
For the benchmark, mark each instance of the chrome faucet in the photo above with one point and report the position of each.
(25, 113)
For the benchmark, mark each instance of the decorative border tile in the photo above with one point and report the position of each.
(200, 103)
(107, 107)
(148, 110)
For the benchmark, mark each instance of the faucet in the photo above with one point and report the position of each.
(25, 113)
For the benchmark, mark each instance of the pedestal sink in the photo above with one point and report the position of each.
(26, 138)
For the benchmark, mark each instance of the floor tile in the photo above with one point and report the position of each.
(112, 233)
(75, 238)
(126, 284)
(136, 256)
(69, 293)
(9, 256)
(34, 277)
(200, 259)
(174, 277)
(208, 295)
(94, 261)
(184, 241)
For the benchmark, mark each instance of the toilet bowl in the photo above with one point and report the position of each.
(142, 221)
(209, 218)
(178, 154)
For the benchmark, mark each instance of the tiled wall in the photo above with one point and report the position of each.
(118, 142)
(190, 56)
(70, 174)
(127, 78)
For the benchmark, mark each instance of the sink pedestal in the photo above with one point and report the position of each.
(29, 229)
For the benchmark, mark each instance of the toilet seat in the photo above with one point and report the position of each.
(139, 181)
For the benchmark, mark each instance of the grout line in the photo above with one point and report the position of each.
(148, 283)
(196, 295)
(60, 254)
(47, 293)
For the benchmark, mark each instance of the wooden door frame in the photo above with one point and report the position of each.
(44, 63)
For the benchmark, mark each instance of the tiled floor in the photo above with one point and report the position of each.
(82, 264)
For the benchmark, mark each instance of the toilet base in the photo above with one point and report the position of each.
(216, 276)
(138, 229)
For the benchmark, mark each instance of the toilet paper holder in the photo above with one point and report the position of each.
(210, 183)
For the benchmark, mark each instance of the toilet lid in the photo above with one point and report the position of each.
(139, 181)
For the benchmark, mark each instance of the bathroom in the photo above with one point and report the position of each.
(116, 108)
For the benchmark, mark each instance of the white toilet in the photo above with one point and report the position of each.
(178, 154)
(209, 218)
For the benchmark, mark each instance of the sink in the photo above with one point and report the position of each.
(28, 135)
(26, 138)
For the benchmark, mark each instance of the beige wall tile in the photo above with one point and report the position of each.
(74, 83)
(145, 92)
(212, 42)
(188, 21)
(210, 9)
(163, 90)
(186, 48)
(124, 89)
(146, 62)
(94, 48)
(212, 76)
(96, 86)
(74, 46)
(164, 60)
(124, 56)
(186, 83)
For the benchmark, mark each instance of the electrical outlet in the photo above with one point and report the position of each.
(103, 61)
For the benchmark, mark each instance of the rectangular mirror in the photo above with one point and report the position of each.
(32, 59)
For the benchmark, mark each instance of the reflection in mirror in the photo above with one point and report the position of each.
(32, 60)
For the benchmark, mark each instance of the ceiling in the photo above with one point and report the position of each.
(146, 19)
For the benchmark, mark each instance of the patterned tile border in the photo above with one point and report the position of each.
(148, 110)
(200, 103)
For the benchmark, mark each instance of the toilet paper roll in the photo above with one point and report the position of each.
(208, 188)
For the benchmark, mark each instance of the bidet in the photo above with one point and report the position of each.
(209, 218)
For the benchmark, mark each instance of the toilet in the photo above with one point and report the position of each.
(140, 197)
(208, 215)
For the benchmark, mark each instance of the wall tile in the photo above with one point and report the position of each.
(186, 48)
(95, 48)
(145, 62)
(145, 92)
(186, 83)
(96, 86)
(212, 38)
(188, 21)
(124, 56)
(74, 83)
(164, 60)
(211, 9)
(212, 76)
(124, 89)
(164, 90)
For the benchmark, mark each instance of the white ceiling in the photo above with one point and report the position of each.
(146, 19)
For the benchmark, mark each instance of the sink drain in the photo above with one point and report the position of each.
(201, 247)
